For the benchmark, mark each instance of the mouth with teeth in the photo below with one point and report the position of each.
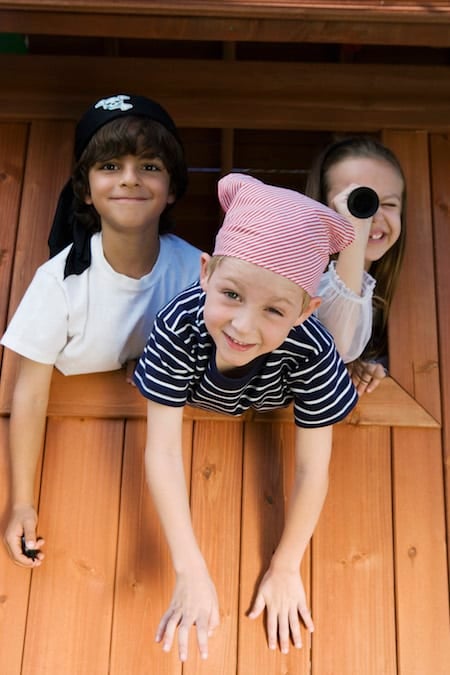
(237, 345)
(376, 236)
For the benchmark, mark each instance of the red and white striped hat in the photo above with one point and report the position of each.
(279, 229)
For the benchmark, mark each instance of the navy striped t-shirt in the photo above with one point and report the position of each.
(178, 367)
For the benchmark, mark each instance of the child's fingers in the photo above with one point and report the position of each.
(214, 621)
(258, 607)
(283, 632)
(202, 637)
(166, 629)
(306, 616)
(294, 625)
(272, 628)
(183, 639)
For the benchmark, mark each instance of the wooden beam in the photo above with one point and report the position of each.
(363, 22)
(109, 395)
(234, 94)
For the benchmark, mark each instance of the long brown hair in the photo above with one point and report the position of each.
(386, 269)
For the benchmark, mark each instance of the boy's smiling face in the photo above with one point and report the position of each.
(129, 192)
(249, 310)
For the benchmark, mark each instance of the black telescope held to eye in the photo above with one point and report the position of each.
(363, 202)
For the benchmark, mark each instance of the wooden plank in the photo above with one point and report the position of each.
(268, 470)
(413, 347)
(423, 636)
(47, 168)
(70, 611)
(440, 171)
(244, 7)
(110, 395)
(14, 580)
(234, 94)
(216, 515)
(352, 571)
(144, 580)
(349, 23)
(12, 157)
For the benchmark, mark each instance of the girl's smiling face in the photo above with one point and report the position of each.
(249, 310)
(382, 177)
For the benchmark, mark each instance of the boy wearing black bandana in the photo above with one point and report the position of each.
(113, 265)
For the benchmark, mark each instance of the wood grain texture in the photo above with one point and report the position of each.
(421, 581)
(267, 478)
(353, 572)
(71, 600)
(110, 395)
(14, 580)
(413, 346)
(440, 171)
(216, 485)
(363, 22)
(48, 166)
(241, 7)
(144, 578)
(214, 93)
(12, 159)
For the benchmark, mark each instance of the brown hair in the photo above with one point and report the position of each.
(128, 136)
(386, 269)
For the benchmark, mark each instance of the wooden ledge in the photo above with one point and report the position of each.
(363, 22)
(109, 395)
(394, 10)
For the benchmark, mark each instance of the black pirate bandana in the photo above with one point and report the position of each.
(65, 229)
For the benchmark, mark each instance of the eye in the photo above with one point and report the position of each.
(151, 166)
(391, 205)
(232, 295)
(108, 166)
(275, 311)
(154, 163)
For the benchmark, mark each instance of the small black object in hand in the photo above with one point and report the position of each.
(29, 552)
(363, 202)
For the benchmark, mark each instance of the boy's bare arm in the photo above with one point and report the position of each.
(281, 591)
(26, 431)
(194, 600)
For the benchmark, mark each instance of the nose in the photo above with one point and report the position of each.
(129, 176)
(243, 321)
(378, 215)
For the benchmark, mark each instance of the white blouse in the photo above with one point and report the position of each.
(347, 315)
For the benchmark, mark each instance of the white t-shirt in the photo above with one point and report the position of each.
(98, 320)
(347, 316)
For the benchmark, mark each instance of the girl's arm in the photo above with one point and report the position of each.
(346, 289)
(194, 600)
(26, 432)
(281, 591)
(351, 260)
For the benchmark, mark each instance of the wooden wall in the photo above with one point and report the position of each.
(377, 571)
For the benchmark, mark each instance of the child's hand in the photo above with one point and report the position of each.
(361, 225)
(130, 366)
(283, 595)
(23, 521)
(366, 376)
(194, 602)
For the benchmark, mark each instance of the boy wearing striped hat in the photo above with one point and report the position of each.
(245, 337)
